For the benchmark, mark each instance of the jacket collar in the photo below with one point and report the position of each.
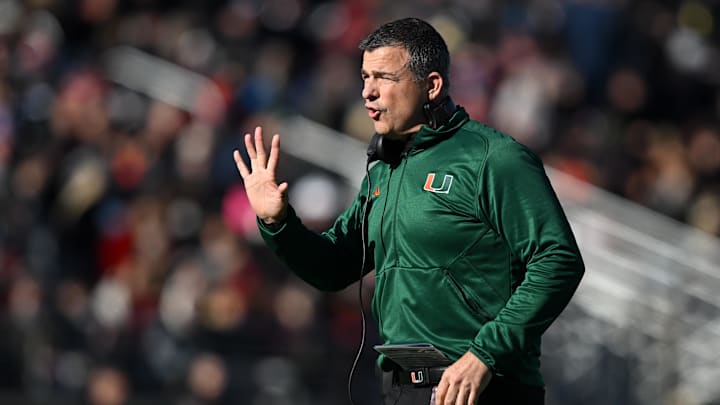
(427, 136)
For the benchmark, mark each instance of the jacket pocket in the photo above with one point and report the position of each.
(469, 298)
(487, 287)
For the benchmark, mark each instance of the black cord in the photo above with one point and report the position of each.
(360, 284)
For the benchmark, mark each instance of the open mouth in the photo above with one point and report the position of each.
(373, 113)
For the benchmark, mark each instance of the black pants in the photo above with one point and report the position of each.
(500, 391)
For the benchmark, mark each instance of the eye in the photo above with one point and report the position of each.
(389, 77)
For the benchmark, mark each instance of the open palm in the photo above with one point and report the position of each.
(267, 198)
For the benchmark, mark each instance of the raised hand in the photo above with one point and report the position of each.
(267, 198)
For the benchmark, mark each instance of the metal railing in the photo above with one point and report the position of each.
(650, 296)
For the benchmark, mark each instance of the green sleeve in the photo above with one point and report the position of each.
(329, 261)
(517, 199)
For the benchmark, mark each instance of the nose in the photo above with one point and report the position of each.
(369, 91)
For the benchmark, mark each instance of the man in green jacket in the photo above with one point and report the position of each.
(471, 249)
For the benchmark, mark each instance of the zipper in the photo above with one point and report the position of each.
(393, 217)
(381, 234)
(471, 304)
(403, 160)
(377, 301)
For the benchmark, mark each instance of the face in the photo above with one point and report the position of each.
(393, 98)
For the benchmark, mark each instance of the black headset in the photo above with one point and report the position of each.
(390, 150)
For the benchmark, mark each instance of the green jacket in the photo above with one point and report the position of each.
(471, 248)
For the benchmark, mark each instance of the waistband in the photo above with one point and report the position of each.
(419, 377)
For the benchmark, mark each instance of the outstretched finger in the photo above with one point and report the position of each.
(250, 147)
(274, 153)
(260, 147)
(244, 172)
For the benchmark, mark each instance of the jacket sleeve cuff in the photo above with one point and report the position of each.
(277, 227)
(486, 358)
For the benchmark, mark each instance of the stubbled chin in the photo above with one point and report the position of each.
(380, 127)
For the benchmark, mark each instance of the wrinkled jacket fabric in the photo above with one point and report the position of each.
(471, 248)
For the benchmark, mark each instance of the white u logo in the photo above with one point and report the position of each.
(444, 188)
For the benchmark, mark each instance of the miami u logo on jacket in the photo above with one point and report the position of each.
(443, 189)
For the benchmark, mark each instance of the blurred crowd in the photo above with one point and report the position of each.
(130, 267)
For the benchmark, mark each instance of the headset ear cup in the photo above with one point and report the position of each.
(372, 150)
(389, 150)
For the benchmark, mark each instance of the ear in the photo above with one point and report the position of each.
(435, 85)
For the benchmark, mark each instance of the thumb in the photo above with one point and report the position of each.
(282, 188)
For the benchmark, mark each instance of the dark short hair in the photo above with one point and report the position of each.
(427, 49)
